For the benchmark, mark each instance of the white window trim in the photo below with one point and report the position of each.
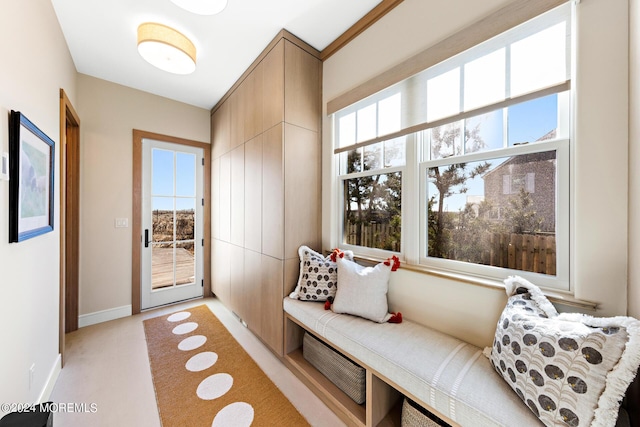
(413, 244)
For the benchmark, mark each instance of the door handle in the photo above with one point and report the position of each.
(146, 238)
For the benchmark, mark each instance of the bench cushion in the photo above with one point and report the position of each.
(447, 374)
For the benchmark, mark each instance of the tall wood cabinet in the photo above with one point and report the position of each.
(266, 155)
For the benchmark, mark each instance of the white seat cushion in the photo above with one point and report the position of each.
(451, 376)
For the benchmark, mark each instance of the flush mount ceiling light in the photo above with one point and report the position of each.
(202, 7)
(166, 48)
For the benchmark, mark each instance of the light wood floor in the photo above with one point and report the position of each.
(108, 365)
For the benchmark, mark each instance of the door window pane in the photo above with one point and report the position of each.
(185, 219)
(161, 265)
(162, 172)
(162, 219)
(185, 263)
(185, 174)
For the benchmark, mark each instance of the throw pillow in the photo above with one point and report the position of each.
(318, 277)
(363, 290)
(570, 369)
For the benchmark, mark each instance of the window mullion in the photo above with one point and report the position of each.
(507, 94)
(410, 203)
(372, 172)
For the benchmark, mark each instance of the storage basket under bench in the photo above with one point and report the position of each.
(347, 375)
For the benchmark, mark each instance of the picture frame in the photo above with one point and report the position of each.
(31, 172)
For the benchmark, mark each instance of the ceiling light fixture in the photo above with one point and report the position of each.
(202, 7)
(166, 48)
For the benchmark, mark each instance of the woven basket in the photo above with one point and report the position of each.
(345, 374)
(414, 417)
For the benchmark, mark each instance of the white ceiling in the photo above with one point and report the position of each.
(102, 39)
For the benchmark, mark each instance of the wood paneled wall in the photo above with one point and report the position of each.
(266, 140)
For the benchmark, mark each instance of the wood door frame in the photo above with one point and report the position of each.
(136, 218)
(69, 218)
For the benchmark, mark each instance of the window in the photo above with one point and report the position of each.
(371, 177)
(372, 215)
(488, 213)
(482, 141)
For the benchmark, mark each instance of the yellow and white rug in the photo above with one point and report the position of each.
(203, 377)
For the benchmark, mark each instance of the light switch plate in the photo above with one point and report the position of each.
(122, 222)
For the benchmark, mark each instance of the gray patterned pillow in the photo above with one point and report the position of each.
(570, 369)
(318, 278)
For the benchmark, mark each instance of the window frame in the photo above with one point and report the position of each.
(561, 280)
(414, 206)
(408, 173)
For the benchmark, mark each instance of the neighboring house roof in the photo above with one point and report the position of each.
(514, 159)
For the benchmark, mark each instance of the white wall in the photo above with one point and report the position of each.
(35, 65)
(599, 251)
(109, 112)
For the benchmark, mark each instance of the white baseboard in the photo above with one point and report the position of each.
(103, 316)
(51, 380)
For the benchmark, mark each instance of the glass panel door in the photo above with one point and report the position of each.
(172, 223)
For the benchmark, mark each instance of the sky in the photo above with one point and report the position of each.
(169, 184)
(528, 122)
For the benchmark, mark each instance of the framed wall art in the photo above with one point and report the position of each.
(31, 167)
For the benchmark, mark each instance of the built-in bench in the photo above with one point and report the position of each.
(450, 378)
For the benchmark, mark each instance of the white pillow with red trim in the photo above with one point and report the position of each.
(363, 290)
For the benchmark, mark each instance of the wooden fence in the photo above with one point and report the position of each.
(373, 235)
(524, 252)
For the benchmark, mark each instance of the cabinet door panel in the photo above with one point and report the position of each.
(225, 197)
(236, 281)
(253, 103)
(220, 271)
(291, 275)
(237, 196)
(301, 189)
(272, 314)
(273, 87)
(253, 194)
(302, 88)
(220, 130)
(236, 101)
(272, 193)
(215, 198)
(253, 291)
